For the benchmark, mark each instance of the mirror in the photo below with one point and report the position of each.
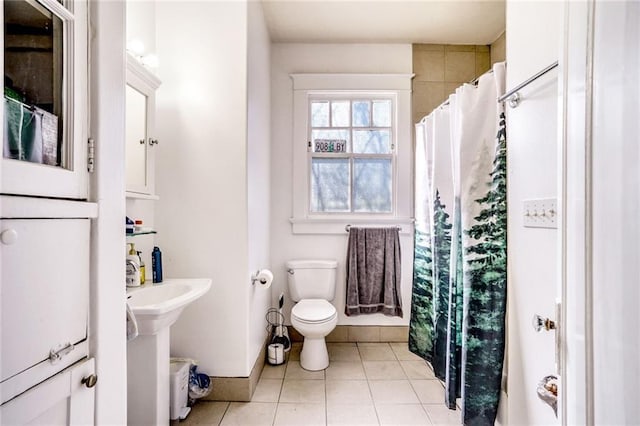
(136, 139)
(140, 101)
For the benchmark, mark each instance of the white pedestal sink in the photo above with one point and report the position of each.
(156, 307)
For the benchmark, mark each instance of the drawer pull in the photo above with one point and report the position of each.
(9, 236)
(56, 354)
(90, 381)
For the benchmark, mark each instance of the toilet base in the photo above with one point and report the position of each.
(314, 355)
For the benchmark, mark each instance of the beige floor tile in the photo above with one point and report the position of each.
(249, 413)
(441, 415)
(273, 371)
(267, 390)
(351, 415)
(348, 392)
(376, 352)
(392, 392)
(294, 352)
(343, 352)
(206, 413)
(295, 371)
(383, 370)
(402, 352)
(402, 414)
(417, 370)
(303, 391)
(300, 414)
(429, 391)
(345, 370)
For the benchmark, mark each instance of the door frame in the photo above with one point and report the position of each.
(575, 213)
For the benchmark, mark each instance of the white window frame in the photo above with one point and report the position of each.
(307, 87)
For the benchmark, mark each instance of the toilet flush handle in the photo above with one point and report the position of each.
(291, 271)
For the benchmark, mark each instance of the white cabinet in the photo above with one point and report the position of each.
(140, 124)
(45, 98)
(44, 298)
(65, 399)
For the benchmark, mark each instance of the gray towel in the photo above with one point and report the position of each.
(373, 272)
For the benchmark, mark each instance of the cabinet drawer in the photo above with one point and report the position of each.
(44, 293)
(61, 400)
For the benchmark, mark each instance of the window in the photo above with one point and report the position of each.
(351, 154)
(352, 145)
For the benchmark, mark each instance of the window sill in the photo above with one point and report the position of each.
(338, 225)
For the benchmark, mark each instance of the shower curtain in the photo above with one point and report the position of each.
(459, 286)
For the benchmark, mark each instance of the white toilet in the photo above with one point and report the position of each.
(312, 284)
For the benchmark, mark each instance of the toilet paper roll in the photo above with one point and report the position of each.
(275, 353)
(264, 277)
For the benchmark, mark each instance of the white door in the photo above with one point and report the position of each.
(602, 199)
(65, 399)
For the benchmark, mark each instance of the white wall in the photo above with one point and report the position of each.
(322, 58)
(201, 175)
(258, 170)
(533, 42)
(141, 23)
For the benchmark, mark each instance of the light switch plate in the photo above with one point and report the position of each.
(540, 213)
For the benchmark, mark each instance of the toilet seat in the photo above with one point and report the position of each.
(314, 311)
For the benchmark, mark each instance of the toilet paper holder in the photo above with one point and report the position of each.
(254, 278)
(263, 277)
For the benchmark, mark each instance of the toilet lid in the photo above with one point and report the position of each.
(313, 310)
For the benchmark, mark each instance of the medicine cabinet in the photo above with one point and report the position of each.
(140, 120)
(45, 98)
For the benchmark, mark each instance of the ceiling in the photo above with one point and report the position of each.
(385, 21)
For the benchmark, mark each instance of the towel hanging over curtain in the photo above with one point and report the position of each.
(459, 289)
(373, 272)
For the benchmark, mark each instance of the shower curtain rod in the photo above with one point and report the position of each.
(446, 102)
(528, 81)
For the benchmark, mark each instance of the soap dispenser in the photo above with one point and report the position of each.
(133, 268)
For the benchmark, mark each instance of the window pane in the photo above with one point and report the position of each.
(372, 185)
(361, 114)
(33, 83)
(320, 114)
(371, 141)
(333, 135)
(381, 113)
(330, 185)
(340, 114)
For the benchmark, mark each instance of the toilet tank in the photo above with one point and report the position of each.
(312, 279)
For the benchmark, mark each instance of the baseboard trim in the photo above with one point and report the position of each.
(361, 333)
(238, 389)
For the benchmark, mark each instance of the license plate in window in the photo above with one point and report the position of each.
(330, 145)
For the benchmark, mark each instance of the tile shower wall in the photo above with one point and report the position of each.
(439, 69)
(499, 49)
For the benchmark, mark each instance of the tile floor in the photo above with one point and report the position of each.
(365, 384)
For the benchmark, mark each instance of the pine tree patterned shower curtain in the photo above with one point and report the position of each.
(459, 287)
